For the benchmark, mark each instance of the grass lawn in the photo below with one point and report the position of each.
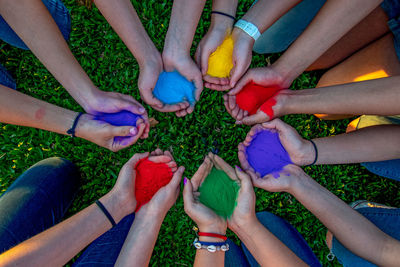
(112, 67)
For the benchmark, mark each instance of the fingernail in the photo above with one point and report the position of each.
(237, 167)
(141, 109)
(133, 131)
(184, 181)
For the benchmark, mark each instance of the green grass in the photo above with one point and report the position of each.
(111, 67)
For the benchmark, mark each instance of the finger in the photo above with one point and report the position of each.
(167, 153)
(189, 110)
(204, 61)
(188, 198)
(168, 108)
(240, 114)
(217, 87)
(245, 181)
(135, 158)
(124, 131)
(201, 173)
(176, 179)
(232, 102)
(149, 98)
(130, 104)
(124, 142)
(216, 80)
(240, 84)
(159, 159)
(226, 104)
(198, 83)
(219, 162)
(235, 112)
(172, 164)
(259, 117)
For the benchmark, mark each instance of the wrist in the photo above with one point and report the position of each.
(299, 184)
(216, 229)
(240, 35)
(307, 153)
(219, 22)
(244, 227)
(287, 73)
(116, 205)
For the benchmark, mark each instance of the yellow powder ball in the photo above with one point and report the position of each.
(220, 62)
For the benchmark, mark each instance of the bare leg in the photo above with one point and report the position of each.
(368, 30)
(377, 60)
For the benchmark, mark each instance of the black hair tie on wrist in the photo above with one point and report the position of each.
(105, 211)
(72, 130)
(316, 153)
(223, 14)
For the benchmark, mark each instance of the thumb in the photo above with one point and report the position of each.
(188, 199)
(176, 179)
(135, 159)
(204, 61)
(128, 103)
(245, 182)
(259, 117)
(124, 131)
(239, 86)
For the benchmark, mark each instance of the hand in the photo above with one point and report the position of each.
(111, 102)
(301, 151)
(206, 219)
(166, 196)
(244, 214)
(242, 54)
(285, 181)
(185, 66)
(108, 136)
(124, 188)
(267, 77)
(214, 38)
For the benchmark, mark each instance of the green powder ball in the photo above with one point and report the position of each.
(219, 193)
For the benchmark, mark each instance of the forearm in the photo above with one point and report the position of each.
(373, 97)
(206, 259)
(33, 23)
(123, 18)
(225, 6)
(332, 22)
(142, 236)
(182, 26)
(376, 143)
(266, 248)
(265, 12)
(353, 230)
(57, 245)
(23, 110)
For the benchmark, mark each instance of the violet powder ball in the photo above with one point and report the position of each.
(122, 118)
(265, 154)
(173, 88)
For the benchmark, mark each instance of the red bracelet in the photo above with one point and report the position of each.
(212, 235)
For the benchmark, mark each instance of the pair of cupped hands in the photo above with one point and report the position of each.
(300, 152)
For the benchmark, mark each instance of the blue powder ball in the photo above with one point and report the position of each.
(173, 88)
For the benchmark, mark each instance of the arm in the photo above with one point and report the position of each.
(375, 143)
(123, 18)
(20, 109)
(33, 23)
(176, 55)
(143, 234)
(266, 248)
(373, 97)
(353, 230)
(332, 22)
(45, 249)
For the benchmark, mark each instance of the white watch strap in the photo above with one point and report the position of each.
(248, 28)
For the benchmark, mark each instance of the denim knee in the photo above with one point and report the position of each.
(57, 10)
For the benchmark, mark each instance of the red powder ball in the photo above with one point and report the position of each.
(150, 177)
(252, 96)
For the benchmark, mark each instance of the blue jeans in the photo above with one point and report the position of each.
(285, 30)
(388, 220)
(285, 232)
(37, 200)
(60, 15)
